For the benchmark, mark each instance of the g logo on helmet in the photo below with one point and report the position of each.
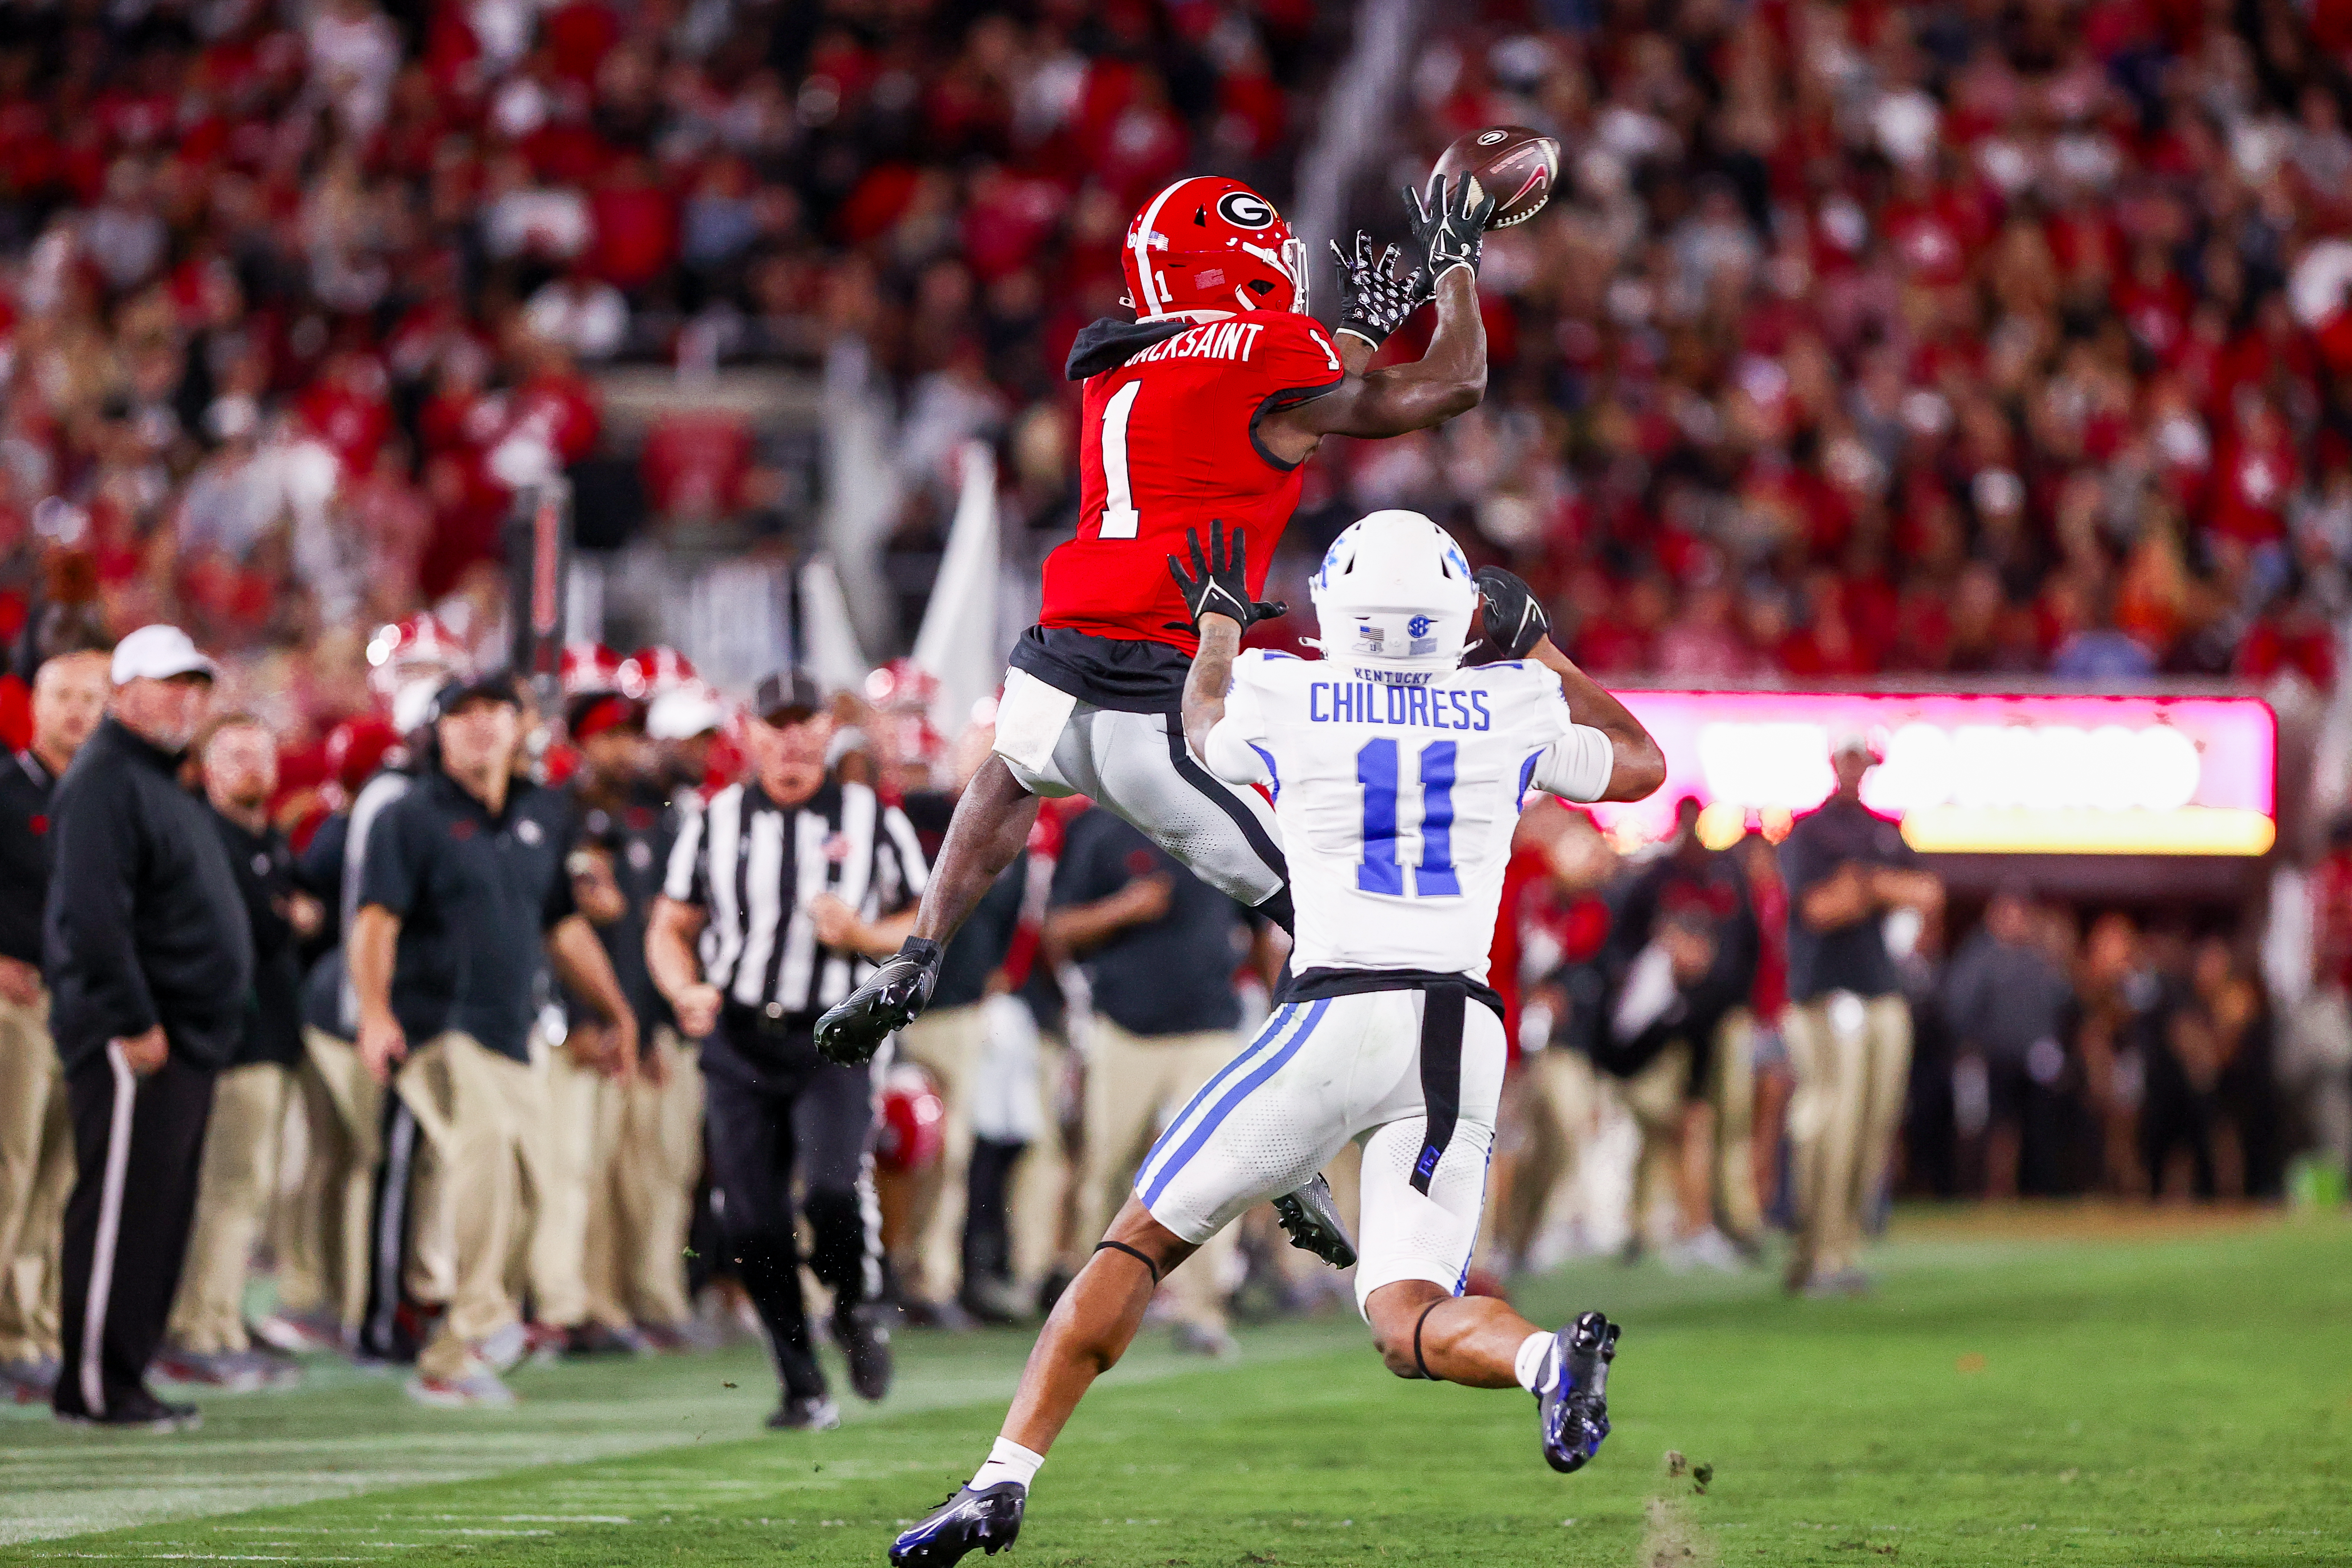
(1489, 138)
(1245, 209)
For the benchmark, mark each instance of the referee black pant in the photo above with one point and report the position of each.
(137, 1143)
(774, 1106)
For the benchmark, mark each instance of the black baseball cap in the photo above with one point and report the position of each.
(788, 697)
(494, 685)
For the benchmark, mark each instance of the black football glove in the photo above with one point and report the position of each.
(1218, 583)
(1449, 226)
(1511, 619)
(1374, 301)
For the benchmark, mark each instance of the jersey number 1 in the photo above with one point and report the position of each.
(1379, 872)
(1119, 518)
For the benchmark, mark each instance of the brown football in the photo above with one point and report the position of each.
(1512, 164)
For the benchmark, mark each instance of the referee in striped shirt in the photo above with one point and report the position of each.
(778, 896)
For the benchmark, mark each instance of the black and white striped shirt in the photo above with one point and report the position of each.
(754, 867)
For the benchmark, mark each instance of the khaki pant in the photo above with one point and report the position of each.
(551, 1258)
(1656, 1096)
(1551, 1107)
(486, 1116)
(1044, 1185)
(322, 1237)
(1135, 1084)
(36, 1169)
(233, 1191)
(1852, 1058)
(643, 1201)
(948, 1043)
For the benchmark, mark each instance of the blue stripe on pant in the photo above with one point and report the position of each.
(1275, 1024)
(1266, 1067)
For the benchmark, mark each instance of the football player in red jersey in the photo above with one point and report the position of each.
(1199, 415)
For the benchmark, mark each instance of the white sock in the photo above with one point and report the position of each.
(1533, 1362)
(1008, 1461)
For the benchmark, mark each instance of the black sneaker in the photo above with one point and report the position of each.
(988, 1520)
(1573, 1409)
(139, 1411)
(863, 1332)
(891, 999)
(806, 1412)
(1314, 1224)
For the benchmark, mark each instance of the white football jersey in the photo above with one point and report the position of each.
(1397, 803)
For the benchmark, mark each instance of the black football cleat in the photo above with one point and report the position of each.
(138, 1411)
(988, 1520)
(806, 1412)
(1573, 1408)
(1314, 1224)
(863, 1332)
(891, 998)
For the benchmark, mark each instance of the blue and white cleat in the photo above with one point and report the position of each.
(987, 1520)
(1573, 1408)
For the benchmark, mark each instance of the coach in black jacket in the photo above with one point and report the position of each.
(149, 963)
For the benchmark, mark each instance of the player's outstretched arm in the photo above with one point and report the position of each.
(1638, 766)
(1211, 678)
(1448, 380)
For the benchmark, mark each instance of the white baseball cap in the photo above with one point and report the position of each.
(159, 653)
(684, 712)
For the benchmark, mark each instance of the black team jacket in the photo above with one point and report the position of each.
(145, 924)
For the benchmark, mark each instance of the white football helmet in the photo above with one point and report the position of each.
(1395, 594)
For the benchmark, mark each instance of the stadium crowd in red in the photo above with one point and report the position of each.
(1866, 339)
(1879, 340)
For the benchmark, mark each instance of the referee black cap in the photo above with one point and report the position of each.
(788, 697)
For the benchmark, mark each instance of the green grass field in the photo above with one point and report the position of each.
(2041, 1392)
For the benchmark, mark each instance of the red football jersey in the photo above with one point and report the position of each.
(1167, 445)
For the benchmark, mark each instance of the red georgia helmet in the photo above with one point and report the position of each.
(591, 666)
(1209, 243)
(662, 669)
(410, 650)
(911, 1130)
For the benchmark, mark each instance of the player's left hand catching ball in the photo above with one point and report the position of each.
(1374, 301)
(1218, 583)
(1451, 224)
(1511, 619)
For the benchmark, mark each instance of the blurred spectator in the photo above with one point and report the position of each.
(2113, 993)
(1681, 1037)
(36, 1153)
(238, 761)
(2206, 1126)
(149, 960)
(2006, 1003)
(2315, 1051)
(1848, 1026)
(444, 953)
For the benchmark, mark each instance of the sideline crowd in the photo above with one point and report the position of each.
(493, 1044)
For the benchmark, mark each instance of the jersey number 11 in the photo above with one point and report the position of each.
(1379, 872)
